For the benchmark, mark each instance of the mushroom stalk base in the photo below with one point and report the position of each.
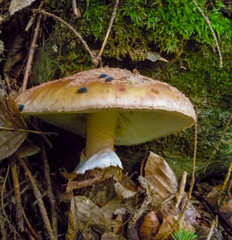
(102, 159)
(100, 132)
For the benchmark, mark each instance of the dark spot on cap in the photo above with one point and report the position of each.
(120, 88)
(82, 90)
(109, 79)
(155, 90)
(103, 75)
(20, 107)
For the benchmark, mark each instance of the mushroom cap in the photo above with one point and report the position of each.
(147, 109)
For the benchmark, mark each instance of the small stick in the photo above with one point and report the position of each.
(213, 225)
(39, 199)
(77, 34)
(76, 10)
(229, 187)
(2, 194)
(225, 184)
(26, 130)
(31, 54)
(213, 32)
(51, 197)
(181, 218)
(219, 142)
(2, 226)
(49, 143)
(109, 28)
(180, 193)
(18, 200)
(29, 225)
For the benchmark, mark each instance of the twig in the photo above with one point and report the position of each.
(29, 226)
(49, 143)
(2, 227)
(229, 187)
(213, 32)
(6, 219)
(51, 197)
(181, 216)
(222, 220)
(76, 10)
(219, 142)
(109, 28)
(94, 59)
(31, 54)
(2, 194)
(39, 199)
(26, 130)
(12, 228)
(18, 200)
(221, 196)
(180, 193)
(213, 225)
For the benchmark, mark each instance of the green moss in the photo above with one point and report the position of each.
(140, 26)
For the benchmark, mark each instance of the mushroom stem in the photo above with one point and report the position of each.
(100, 131)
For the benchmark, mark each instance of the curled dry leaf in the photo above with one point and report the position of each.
(16, 5)
(149, 226)
(167, 224)
(212, 196)
(191, 213)
(126, 188)
(84, 212)
(158, 172)
(10, 118)
(226, 207)
(26, 150)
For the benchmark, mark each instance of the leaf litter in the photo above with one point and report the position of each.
(10, 121)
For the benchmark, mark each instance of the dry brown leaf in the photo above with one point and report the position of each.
(16, 5)
(11, 118)
(84, 212)
(26, 150)
(110, 207)
(123, 192)
(226, 207)
(158, 172)
(167, 224)
(126, 188)
(149, 226)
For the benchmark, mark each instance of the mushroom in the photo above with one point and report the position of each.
(109, 106)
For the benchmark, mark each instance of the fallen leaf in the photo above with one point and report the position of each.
(10, 121)
(149, 226)
(26, 150)
(84, 212)
(167, 224)
(158, 172)
(16, 5)
(226, 207)
(126, 188)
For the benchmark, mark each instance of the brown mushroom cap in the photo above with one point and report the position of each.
(147, 109)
